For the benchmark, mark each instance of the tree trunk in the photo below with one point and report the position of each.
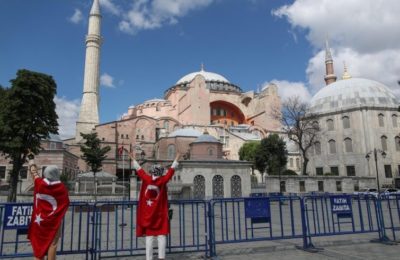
(12, 195)
(305, 163)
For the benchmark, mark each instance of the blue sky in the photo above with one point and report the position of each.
(150, 44)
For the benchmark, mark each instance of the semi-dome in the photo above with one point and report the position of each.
(353, 92)
(209, 76)
(185, 132)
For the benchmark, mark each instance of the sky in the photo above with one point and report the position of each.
(148, 45)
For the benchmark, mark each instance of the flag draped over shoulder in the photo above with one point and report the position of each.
(152, 213)
(49, 207)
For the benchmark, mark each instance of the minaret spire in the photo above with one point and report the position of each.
(330, 76)
(89, 111)
(346, 74)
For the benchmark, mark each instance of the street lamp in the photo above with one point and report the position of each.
(375, 153)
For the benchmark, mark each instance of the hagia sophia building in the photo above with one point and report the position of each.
(207, 118)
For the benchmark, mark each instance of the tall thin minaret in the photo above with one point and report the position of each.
(89, 112)
(330, 76)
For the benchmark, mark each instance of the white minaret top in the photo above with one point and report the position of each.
(95, 8)
(89, 111)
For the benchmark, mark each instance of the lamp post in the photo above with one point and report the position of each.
(375, 153)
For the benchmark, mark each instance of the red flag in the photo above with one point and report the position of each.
(120, 150)
(49, 207)
(152, 212)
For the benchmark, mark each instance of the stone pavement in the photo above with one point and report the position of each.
(352, 247)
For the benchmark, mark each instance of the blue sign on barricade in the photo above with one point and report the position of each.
(17, 216)
(257, 208)
(341, 205)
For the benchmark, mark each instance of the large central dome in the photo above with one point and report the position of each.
(209, 76)
(353, 92)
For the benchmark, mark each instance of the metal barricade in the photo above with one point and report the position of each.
(75, 231)
(115, 228)
(239, 220)
(390, 208)
(328, 215)
(108, 228)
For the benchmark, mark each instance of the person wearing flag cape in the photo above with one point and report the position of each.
(50, 203)
(152, 211)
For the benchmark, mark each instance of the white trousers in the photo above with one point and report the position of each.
(162, 243)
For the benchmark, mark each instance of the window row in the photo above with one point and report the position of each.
(330, 125)
(348, 145)
(351, 171)
(199, 186)
(321, 188)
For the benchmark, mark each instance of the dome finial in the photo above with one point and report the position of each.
(346, 74)
(202, 67)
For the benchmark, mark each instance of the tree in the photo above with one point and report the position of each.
(27, 116)
(273, 153)
(248, 152)
(300, 125)
(93, 154)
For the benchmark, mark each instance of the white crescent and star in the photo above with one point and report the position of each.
(50, 199)
(38, 219)
(150, 199)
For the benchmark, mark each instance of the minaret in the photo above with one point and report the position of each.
(330, 76)
(89, 112)
(346, 74)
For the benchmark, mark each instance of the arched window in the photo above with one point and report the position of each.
(397, 143)
(384, 142)
(291, 162)
(394, 120)
(329, 125)
(332, 146)
(171, 151)
(218, 186)
(381, 118)
(236, 186)
(210, 151)
(199, 187)
(348, 144)
(317, 148)
(298, 163)
(346, 122)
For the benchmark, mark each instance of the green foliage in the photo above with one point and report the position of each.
(330, 174)
(248, 151)
(27, 115)
(272, 154)
(289, 172)
(93, 153)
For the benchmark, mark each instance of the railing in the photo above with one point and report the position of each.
(106, 229)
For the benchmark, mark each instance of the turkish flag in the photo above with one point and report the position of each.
(120, 151)
(152, 212)
(49, 207)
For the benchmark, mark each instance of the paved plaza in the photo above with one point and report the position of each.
(338, 247)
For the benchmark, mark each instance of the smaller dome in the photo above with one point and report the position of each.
(291, 146)
(185, 132)
(209, 76)
(206, 138)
